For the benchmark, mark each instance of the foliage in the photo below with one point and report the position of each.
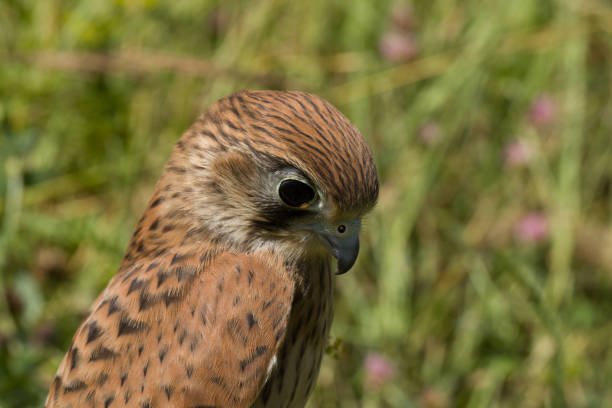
(485, 277)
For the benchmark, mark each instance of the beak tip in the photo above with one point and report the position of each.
(347, 258)
(344, 248)
(342, 269)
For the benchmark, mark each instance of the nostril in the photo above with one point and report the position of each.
(341, 228)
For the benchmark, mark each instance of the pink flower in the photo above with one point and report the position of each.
(518, 153)
(532, 228)
(542, 111)
(378, 370)
(398, 47)
(430, 133)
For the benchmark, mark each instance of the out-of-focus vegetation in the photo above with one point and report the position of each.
(485, 278)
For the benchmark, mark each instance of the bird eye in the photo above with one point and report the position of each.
(295, 193)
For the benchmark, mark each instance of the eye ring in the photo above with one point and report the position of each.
(295, 193)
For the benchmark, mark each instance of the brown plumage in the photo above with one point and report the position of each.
(224, 295)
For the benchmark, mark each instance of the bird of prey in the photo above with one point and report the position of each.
(224, 297)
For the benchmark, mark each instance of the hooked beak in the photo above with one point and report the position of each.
(343, 246)
(345, 251)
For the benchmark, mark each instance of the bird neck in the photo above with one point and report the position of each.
(163, 227)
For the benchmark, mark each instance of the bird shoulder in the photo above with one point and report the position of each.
(201, 328)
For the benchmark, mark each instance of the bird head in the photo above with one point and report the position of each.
(271, 169)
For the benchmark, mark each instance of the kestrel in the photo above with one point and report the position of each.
(224, 297)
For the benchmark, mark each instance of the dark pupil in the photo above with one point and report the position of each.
(295, 193)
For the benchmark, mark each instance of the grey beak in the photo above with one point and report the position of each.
(344, 249)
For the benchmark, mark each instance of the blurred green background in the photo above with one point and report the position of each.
(485, 278)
